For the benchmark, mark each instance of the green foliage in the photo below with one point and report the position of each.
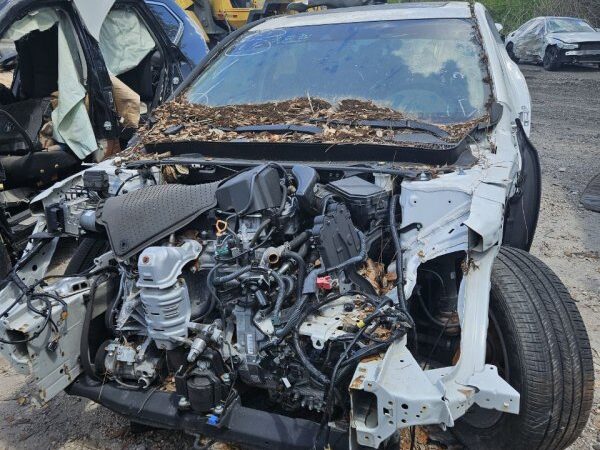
(511, 13)
(514, 13)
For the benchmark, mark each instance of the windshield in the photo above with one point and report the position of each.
(431, 70)
(568, 26)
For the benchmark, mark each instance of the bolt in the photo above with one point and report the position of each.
(226, 378)
(145, 259)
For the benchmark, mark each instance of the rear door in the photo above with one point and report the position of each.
(182, 31)
(528, 44)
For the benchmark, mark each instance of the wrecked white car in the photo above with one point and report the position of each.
(554, 42)
(329, 246)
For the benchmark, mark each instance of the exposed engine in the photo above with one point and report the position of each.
(260, 290)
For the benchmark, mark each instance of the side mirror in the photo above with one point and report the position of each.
(499, 27)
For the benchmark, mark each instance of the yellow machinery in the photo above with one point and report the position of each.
(218, 18)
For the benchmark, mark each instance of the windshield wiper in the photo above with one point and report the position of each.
(280, 129)
(404, 124)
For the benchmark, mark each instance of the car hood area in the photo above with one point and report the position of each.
(575, 38)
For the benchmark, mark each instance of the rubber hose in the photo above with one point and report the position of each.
(289, 284)
(265, 223)
(288, 254)
(299, 240)
(232, 276)
(280, 294)
(320, 376)
(84, 348)
(293, 319)
(303, 250)
(399, 254)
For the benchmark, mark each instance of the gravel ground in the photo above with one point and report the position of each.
(566, 114)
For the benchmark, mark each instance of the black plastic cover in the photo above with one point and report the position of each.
(366, 201)
(205, 390)
(138, 219)
(252, 427)
(335, 236)
(96, 180)
(251, 191)
(306, 179)
(55, 219)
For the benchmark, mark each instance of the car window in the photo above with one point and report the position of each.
(567, 25)
(430, 69)
(526, 25)
(532, 28)
(169, 21)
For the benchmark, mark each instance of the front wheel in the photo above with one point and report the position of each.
(538, 341)
(550, 61)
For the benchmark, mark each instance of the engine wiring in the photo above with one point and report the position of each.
(249, 327)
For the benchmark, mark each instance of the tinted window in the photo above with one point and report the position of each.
(429, 69)
(170, 23)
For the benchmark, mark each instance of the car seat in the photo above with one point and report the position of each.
(24, 162)
(142, 78)
(38, 64)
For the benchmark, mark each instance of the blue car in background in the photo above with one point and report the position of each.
(181, 29)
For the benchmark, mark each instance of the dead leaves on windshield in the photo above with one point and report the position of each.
(207, 123)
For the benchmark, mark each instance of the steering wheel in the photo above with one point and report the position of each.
(419, 100)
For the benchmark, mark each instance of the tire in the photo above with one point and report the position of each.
(550, 61)
(548, 359)
(510, 49)
(89, 249)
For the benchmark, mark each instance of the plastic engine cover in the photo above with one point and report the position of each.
(251, 191)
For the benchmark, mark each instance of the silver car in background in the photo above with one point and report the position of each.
(555, 41)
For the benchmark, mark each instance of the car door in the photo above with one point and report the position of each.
(529, 42)
(149, 48)
(94, 77)
(182, 31)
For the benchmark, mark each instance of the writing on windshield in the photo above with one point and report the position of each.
(429, 69)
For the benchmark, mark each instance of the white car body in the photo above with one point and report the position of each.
(473, 201)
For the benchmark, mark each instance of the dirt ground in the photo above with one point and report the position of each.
(566, 118)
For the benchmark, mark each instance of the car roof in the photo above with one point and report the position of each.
(561, 17)
(372, 13)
